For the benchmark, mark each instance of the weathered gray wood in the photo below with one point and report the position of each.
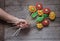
(24, 2)
(52, 32)
(1, 25)
(33, 40)
(2, 4)
(1, 32)
(19, 8)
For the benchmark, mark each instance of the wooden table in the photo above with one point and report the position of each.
(19, 8)
(1, 24)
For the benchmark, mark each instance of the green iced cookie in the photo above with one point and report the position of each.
(33, 15)
(45, 15)
(39, 18)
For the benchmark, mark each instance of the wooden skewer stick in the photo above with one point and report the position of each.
(16, 33)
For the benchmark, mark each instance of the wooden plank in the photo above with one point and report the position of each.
(52, 7)
(26, 2)
(1, 32)
(2, 4)
(34, 40)
(1, 25)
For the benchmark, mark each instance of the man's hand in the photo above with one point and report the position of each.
(12, 19)
(22, 23)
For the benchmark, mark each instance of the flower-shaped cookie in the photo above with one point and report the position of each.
(41, 15)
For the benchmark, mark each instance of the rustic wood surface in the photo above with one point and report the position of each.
(1, 25)
(19, 8)
(1, 32)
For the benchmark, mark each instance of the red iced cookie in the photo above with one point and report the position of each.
(39, 6)
(45, 22)
(46, 10)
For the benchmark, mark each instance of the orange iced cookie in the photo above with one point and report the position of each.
(40, 12)
(52, 15)
(32, 8)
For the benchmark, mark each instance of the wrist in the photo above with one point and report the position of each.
(13, 20)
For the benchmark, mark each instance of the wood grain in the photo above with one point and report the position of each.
(1, 25)
(19, 8)
(1, 32)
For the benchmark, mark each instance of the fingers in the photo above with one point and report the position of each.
(22, 23)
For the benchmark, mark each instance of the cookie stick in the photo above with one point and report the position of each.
(17, 31)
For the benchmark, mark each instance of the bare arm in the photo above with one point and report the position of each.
(12, 19)
(7, 17)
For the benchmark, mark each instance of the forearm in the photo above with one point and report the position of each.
(7, 17)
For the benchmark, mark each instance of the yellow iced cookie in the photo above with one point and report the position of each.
(32, 8)
(39, 25)
(40, 12)
(52, 15)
